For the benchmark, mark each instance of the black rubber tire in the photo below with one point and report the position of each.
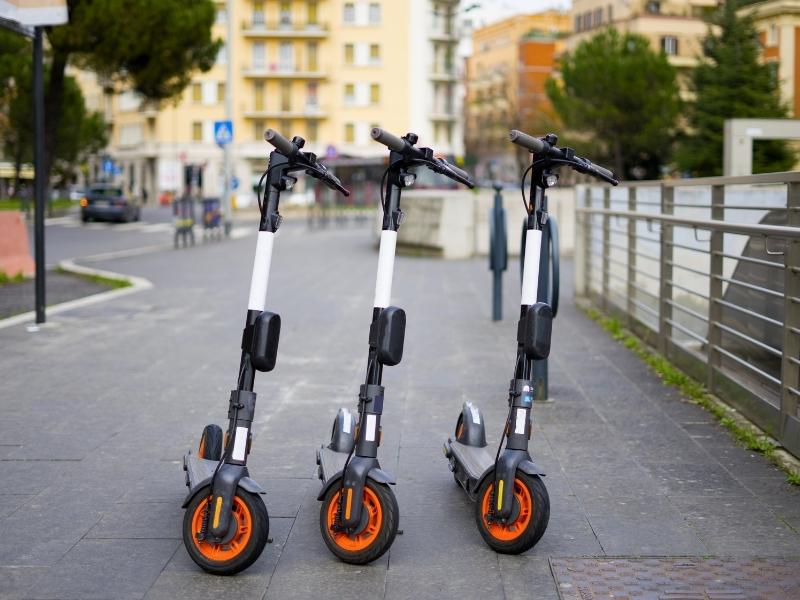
(210, 446)
(84, 219)
(258, 537)
(539, 517)
(384, 539)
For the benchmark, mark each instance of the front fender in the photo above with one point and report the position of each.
(246, 483)
(375, 474)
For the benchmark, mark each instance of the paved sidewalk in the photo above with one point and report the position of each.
(96, 412)
(17, 298)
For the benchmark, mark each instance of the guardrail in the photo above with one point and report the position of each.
(708, 271)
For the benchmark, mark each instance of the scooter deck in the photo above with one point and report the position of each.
(197, 469)
(475, 461)
(330, 462)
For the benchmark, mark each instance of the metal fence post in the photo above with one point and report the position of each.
(715, 249)
(631, 276)
(790, 365)
(606, 246)
(665, 271)
(587, 242)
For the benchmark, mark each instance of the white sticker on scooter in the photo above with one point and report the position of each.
(371, 422)
(519, 427)
(346, 424)
(240, 443)
(476, 416)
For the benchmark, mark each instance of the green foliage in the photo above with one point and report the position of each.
(151, 46)
(693, 390)
(5, 278)
(622, 98)
(730, 82)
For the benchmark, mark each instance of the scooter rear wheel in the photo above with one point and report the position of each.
(375, 535)
(530, 516)
(210, 443)
(244, 543)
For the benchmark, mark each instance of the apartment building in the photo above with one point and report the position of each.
(327, 70)
(505, 84)
(778, 25)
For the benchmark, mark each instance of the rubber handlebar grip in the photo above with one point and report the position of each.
(526, 141)
(280, 142)
(459, 172)
(387, 139)
(603, 172)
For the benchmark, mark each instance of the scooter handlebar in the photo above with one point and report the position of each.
(453, 172)
(526, 141)
(387, 139)
(283, 145)
(597, 171)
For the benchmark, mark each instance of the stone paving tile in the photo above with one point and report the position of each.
(526, 577)
(15, 581)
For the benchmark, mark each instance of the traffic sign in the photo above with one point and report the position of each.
(223, 132)
(235, 183)
(108, 166)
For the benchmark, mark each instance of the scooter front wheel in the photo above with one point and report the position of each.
(529, 517)
(245, 540)
(376, 533)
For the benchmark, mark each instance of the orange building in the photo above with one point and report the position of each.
(505, 79)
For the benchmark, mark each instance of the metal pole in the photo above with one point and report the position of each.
(228, 111)
(498, 253)
(665, 273)
(716, 248)
(39, 185)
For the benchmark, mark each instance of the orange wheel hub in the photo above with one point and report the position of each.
(361, 540)
(234, 547)
(507, 532)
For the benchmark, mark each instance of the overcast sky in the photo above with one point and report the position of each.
(494, 10)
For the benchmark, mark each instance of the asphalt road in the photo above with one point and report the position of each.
(97, 409)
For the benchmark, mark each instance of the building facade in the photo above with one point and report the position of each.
(327, 70)
(505, 79)
(778, 25)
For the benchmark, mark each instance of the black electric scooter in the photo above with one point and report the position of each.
(226, 524)
(359, 514)
(512, 507)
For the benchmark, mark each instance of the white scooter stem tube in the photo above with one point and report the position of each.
(530, 274)
(383, 283)
(261, 264)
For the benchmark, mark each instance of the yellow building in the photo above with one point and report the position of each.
(327, 70)
(778, 25)
(505, 77)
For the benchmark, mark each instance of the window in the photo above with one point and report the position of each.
(587, 20)
(349, 54)
(258, 14)
(222, 15)
(374, 54)
(669, 44)
(285, 18)
(598, 17)
(577, 23)
(374, 13)
(311, 12)
(311, 130)
(311, 51)
(374, 93)
(449, 130)
(772, 35)
(349, 132)
(259, 55)
(286, 96)
(221, 91)
(286, 56)
(258, 130)
(197, 92)
(197, 131)
(610, 13)
(349, 94)
(286, 127)
(258, 95)
(653, 7)
(312, 96)
(222, 55)
(349, 12)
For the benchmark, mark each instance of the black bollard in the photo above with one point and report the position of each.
(498, 251)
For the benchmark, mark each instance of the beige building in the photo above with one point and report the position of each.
(505, 78)
(676, 27)
(327, 70)
(778, 26)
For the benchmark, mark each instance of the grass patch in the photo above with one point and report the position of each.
(693, 390)
(16, 204)
(111, 282)
(5, 278)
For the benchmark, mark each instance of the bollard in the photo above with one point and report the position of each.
(548, 290)
(498, 251)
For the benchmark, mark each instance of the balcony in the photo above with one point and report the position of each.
(278, 71)
(285, 30)
(309, 111)
(444, 74)
(443, 35)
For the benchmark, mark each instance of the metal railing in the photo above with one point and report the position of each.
(708, 271)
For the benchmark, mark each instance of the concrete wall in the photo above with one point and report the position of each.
(455, 223)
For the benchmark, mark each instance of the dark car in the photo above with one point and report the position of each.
(108, 203)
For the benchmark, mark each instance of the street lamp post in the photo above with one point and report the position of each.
(39, 174)
(228, 111)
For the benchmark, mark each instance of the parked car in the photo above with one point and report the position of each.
(108, 203)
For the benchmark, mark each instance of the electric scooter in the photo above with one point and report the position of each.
(226, 524)
(512, 506)
(359, 514)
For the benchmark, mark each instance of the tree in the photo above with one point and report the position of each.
(80, 132)
(728, 83)
(622, 99)
(150, 46)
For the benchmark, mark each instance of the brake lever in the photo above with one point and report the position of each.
(319, 171)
